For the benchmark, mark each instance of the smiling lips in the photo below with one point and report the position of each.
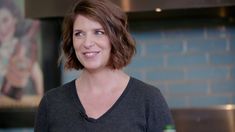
(91, 54)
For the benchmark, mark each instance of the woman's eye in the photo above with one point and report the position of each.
(78, 34)
(99, 32)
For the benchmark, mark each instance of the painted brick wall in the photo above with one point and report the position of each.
(191, 61)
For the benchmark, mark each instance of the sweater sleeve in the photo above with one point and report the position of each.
(41, 122)
(158, 113)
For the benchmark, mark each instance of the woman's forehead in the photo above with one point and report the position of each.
(86, 20)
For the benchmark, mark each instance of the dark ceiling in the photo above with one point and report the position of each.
(140, 8)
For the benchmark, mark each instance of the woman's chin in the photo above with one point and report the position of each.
(94, 67)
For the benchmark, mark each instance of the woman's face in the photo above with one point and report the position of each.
(7, 25)
(91, 43)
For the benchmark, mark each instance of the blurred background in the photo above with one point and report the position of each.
(185, 48)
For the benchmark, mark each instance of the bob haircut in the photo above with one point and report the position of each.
(114, 22)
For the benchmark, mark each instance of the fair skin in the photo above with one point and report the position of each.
(18, 70)
(98, 86)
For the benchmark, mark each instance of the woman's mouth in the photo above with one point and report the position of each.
(91, 54)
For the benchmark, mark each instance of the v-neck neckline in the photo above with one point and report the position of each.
(82, 110)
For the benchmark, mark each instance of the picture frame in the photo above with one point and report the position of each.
(21, 114)
(19, 102)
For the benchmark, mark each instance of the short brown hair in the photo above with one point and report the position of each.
(114, 22)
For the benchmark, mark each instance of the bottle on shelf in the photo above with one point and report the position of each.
(169, 128)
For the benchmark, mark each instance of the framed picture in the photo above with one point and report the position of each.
(21, 73)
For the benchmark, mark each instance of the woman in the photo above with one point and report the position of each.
(16, 64)
(103, 98)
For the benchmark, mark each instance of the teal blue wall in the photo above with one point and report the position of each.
(191, 61)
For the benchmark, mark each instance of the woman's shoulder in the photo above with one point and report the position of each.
(144, 87)
(61, 91)
(149, 94)
(145, 91)
(57, 98)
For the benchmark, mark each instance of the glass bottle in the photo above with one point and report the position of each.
(169, 128)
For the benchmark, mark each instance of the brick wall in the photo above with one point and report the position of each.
(191, 61)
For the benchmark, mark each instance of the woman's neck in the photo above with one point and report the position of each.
(106, 79)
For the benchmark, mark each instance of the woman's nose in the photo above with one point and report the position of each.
(88, 41)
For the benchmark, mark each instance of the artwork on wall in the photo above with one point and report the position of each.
(21, 76)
